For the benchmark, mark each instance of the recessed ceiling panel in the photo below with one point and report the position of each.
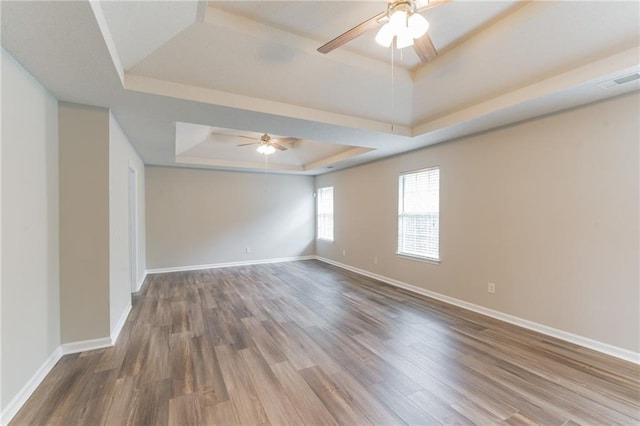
(212, 55)
(198, 144)
(324, 20)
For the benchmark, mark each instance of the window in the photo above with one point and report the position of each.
(419, 214)
(325, 213)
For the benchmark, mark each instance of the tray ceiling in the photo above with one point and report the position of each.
(252, 68)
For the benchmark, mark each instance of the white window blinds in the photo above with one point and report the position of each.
(419, 214)
(324, 217)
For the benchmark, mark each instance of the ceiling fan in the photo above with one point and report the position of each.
(268, 145)
(402, 21)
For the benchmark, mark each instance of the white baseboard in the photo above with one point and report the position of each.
(118, 327)
(21, 397)
(86, 345)
(65, 349)
(540, 328)
(228, 264)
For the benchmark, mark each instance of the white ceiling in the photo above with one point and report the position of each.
(247, 68)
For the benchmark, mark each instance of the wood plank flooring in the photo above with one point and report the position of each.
(308, 343)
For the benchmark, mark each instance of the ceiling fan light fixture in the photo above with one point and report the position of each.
(398, 22)
(385, 36)
(404, 24)
(404, 40)
(417, 25)
(265, 149)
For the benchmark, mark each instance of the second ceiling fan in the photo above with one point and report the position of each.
(267, 145)
(401, 21)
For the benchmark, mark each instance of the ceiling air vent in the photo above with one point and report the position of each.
(619, 81)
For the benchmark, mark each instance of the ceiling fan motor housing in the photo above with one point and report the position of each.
(407, 6)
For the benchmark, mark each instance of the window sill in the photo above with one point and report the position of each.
(324, 240)
(419, 258)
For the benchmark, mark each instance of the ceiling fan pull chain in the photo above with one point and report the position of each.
(266, 174)
(393, 94)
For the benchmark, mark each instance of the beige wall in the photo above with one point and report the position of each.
(122, 157)
(30, 306)
(200, 217)
(96, 284)
(84, 222)
(546, 209)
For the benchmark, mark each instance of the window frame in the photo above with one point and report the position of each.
(413, 256)
(318, 237)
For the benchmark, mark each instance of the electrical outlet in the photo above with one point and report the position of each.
(375, 260)
(247, 250)
(344, 252)
(491, 288)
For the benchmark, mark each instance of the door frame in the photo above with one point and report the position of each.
(133, 227)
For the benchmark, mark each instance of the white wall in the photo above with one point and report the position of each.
(202, 217)
(65, 229)
(30, 274)
(122, 156)
(546, 209)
